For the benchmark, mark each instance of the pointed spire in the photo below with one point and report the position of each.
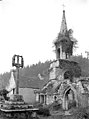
(63, 28)
(12, 84)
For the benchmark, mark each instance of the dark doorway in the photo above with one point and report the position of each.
(58, 52)
(68, 75)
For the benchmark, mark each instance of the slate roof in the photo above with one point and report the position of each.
(31, 82)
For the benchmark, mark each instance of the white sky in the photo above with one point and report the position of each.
(29, 27)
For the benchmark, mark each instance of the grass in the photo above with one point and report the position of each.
(77, 113)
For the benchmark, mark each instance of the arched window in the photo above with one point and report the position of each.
(68, 75)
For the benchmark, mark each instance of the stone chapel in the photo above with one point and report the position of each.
(62, 71)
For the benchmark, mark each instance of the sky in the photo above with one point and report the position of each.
(29, 27)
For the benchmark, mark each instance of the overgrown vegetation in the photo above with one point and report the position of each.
(83, 63)
(81, 113)
(43, 111)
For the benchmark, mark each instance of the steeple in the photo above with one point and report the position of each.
(63, 43)
(63, 28)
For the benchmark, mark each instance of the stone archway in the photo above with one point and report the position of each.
(66, 98)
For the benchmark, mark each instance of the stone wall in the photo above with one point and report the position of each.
(83, 100)
(28, 94)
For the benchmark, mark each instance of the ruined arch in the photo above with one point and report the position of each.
(65, 97)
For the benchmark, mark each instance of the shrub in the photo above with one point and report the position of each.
(81, 113)
(38, 105)
(72, 104)
(43, 111)
(57, 107)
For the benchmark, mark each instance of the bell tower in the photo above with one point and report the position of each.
(63, 43)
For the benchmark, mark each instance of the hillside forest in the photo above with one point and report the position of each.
(42, 68)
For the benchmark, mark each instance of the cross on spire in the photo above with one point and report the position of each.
(63, 6)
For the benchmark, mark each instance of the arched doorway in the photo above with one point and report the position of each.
(69, 97)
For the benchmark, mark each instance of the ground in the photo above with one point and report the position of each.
(75, 113)
(58, 117)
